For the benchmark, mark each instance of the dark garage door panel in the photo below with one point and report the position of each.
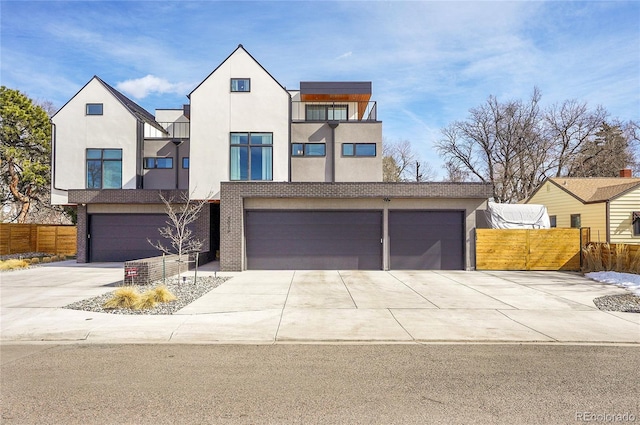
(314, 240)
(123, 237)
(426, 240)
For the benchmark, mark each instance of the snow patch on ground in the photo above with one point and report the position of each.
(627, 280)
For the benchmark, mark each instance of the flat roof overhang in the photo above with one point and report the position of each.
(335, 91)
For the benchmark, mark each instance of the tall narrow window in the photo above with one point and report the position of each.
(635, 219)
(104, 168)
(240, 85)
(251, 156)
(552, 220)
(94, 109)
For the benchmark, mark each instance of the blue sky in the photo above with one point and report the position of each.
(429, 62)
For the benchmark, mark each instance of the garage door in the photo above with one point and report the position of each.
(123, 237)
(313, 240)
(426, 240)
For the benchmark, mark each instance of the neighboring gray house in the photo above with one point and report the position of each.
(293, 177)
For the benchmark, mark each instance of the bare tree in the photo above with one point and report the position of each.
(402, 164)
(515, 145)
(178, 229)
(500, 144)
(570, 126)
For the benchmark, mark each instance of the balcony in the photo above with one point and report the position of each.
(361, 111)
(173, 130)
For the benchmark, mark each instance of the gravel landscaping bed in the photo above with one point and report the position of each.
(185, 292)
(628, 303)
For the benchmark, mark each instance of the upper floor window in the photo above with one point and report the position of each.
(575, 220)
(326, 112)
(94, 109)
(251, 156)
(104, 168)
(635, 219)
(240, 84)
(185, 162)
(158, 163)
(358, 149)
(308, 149)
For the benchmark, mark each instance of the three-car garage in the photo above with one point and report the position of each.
(354, 239)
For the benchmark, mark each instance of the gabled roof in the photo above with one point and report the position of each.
(136, 110)
(240, 47)
(595, 189)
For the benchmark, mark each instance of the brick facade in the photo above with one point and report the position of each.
(234, 194)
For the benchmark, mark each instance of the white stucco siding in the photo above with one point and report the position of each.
(216, 112)
(620, 210)
(75, 132)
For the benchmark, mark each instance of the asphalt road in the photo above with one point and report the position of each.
(319, 384)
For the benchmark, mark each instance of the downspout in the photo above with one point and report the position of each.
(333, 124)
(53, 156)
(608, 221)
(289, 137)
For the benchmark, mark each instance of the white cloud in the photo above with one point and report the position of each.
(140, 88)
(344, 55)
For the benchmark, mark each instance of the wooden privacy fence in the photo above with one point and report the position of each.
(50, 239)
(528, 249)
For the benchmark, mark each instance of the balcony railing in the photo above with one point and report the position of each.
(333, 111)
(174, 130)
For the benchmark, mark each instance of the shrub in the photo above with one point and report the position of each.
(125, 297)
(145, 301)
(35, 260)
(163, 295)
(46, 259)
(13, 264)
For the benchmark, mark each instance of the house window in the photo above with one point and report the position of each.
(308, 149)
(94, 109)
(104, 168)
(185, 162)
(575, 220)
(251, 156)
(240, 85)
(635, 219)
(358, 149)
(326, 112)
(552, 220)
(158, 163)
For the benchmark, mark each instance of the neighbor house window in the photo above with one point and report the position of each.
(94, 108)
(104, 168)
(635, 219)
(240, 85)
(308, 149)
(185, 162)
(251, 156)
(358, 149)
(575, 220)
(326, 112)
(158, 163)
(552, 220)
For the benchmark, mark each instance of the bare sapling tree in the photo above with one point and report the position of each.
(178, 231)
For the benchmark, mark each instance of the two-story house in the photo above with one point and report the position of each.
(293, 178)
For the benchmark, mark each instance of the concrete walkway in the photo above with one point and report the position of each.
(268, 307)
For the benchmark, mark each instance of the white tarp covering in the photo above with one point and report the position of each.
(517, 216)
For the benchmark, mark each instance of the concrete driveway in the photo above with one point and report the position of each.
(323, 306)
